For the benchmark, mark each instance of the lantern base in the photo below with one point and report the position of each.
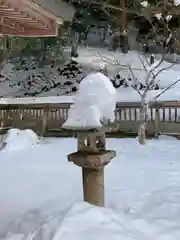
(92, 160)
(92, 173)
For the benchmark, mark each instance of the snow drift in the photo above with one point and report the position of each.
(95, 102)
(16, 139)
(40, 193)
(82, 221)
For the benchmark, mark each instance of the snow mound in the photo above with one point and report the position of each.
(82, 221)
(95, 102)
(16, 139)
(166, 137)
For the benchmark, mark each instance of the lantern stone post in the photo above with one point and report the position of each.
(92, 157)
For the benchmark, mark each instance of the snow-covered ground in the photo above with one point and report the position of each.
(124, 95)
(119, 61)
(41, 193)
(90, 58)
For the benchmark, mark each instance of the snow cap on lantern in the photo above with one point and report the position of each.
(94, 103)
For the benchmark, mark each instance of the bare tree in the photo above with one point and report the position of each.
(152, 71)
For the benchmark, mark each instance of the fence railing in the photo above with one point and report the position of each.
(46, 119)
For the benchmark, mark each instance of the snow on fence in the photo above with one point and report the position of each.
(46, 119)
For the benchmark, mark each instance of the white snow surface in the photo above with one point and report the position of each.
(94, 102)
(123, 95)
(94, 58)
(16, 140)
(41, 193)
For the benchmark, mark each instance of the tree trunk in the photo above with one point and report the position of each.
(5, 52)
(124, 45)
(115, 41)
(142, 127)
(74, 49)
(142, 134)
(104, 33)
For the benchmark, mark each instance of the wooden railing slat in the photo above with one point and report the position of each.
(30, 114)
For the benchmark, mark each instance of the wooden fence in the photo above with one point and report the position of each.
(46, 119)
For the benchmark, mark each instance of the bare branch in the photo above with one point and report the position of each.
(152, 72)
(144, 66)
(163, 69)
(142, 94)
(110, 6)
(135, 82)
(170, 86)
(128, 67)
(161, 60)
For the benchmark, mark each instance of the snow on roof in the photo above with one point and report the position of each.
(95, 102)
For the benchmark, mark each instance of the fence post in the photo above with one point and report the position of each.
(2, 118)
(157, 123)
(44, 120)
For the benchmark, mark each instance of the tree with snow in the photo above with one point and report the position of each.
(159, 23)
(161, 28)
(152, 72)
(119, 14)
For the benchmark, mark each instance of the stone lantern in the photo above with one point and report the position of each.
(92, 157)
(93, 105)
